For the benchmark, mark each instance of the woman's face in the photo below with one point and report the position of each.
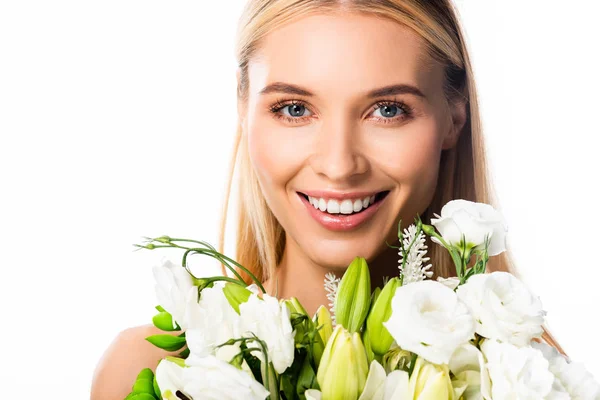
(343, 111)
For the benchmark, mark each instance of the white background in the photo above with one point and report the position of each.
(116, 122)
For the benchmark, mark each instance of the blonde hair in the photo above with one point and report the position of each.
(463, 172)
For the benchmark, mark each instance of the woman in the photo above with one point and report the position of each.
(353, 115)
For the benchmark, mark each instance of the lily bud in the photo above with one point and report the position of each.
(307, 328)
(323, 320)
(397, 359)
(236, 295)
(431, 381)
(344, 368)
(354, 296)
(379, 337)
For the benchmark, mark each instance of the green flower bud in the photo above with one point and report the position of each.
(397, 359)
(323, 320)
(431, 381)
(344, 368)
(380, 338)
(236, 295)
(354, 296)
(307, 328)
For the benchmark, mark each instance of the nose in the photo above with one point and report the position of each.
(337, 153)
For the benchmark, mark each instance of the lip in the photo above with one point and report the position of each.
(341, 222)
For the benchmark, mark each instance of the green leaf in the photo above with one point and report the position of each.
(167, 342)
(164, 321)
(141, 396)
(159, 308)
(143, 386)
(306, 380)
(146, 373)
(185, 353)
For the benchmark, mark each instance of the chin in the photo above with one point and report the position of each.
(337, 255)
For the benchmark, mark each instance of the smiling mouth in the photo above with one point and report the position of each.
(346, 207)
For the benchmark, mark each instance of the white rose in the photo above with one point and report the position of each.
(517, 372)
(572, 377)
(475, 221)
(173, 286)
(468, 365)
(212, 321)
(207, 378)
(269, 319)
(428, 319)
(503, 307)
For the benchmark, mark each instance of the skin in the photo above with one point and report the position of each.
(340, 140)
(341, 143)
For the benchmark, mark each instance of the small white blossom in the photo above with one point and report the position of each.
(269, 320)
(414, 270)
(207, 378)
(173, 287)
(332, 284)
(572, 377)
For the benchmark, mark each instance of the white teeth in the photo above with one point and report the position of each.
(322, 205)
(333, 207)
(366, 202)
(346, 206)
(357, 206)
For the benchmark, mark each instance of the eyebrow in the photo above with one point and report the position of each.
(288, 88)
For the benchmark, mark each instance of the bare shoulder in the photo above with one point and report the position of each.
(124, 358)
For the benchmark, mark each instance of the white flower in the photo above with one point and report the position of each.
(173, 286)
(503, 307)
(475, 221)
(269, 320)
(517, 372)
(429, 320)
(451, 282)
(207, 378)
(378, 386)
(468, 365)
(332, 284)
(212, 321)
(572, 377)
(312, 394)
(414, 270)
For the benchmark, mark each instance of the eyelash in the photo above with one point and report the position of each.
(407, 111)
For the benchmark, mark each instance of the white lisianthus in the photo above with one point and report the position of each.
(473, 220)
(573, 377)
(269, 320)
(503, 307)
(207, 378)
(429, 320)
(173, 287)
(517, 372)
(468, 366)
(451, 282)
(212, 321)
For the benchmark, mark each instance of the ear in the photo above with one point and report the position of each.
(458, 113)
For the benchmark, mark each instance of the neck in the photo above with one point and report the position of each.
(298, 276)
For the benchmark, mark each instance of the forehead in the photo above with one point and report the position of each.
(343, 54)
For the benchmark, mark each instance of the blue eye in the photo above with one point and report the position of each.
(295, 110)
(388, 110)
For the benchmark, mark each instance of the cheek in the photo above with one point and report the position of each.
(275, 154)
(411, 154)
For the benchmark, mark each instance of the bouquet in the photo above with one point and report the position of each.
(472, 336)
